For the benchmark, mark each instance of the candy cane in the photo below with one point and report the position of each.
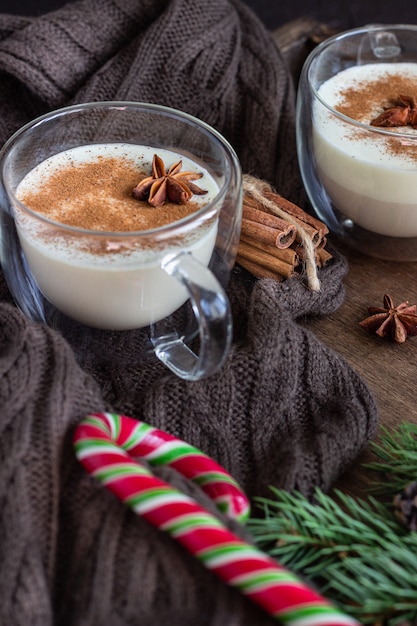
(111, 448)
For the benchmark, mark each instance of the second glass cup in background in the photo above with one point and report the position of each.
(361, 179)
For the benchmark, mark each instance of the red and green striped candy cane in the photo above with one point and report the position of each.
(111, 447)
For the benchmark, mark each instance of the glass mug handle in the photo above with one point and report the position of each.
(212, 310)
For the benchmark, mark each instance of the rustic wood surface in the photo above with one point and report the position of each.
(389, 368)
(298, 38)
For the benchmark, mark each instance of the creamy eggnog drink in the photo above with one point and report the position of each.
(370, 174)
(92, 270)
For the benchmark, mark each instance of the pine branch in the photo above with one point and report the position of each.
(397, 454)
(354, 551)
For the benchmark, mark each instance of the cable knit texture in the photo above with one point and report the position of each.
(284, 410)
(295, 411)
(211, 59)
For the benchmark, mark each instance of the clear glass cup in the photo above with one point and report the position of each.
(361, 179)
(163, 288)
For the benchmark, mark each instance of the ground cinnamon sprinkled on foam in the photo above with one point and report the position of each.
(366, 100)
(97, 195)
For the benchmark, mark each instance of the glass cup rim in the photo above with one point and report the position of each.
(170, 229)
(322, 46)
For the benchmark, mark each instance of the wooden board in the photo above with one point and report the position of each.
(389, 369)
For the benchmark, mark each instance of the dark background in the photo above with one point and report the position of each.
(274, 13)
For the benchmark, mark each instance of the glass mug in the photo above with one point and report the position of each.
(164, 283)
(361, 178)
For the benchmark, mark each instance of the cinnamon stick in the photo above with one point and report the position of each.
(275, 235)
(268, 228)
(323, 256)
(288, 255)
(265, 260)
(322, 244)
(298, 212)
(314, 229)
(268, 235)
(258, 270)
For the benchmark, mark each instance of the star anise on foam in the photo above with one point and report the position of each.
(172, 185)
(403, 113)
(391, 321)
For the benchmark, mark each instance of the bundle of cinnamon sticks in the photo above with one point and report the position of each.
(272, 242)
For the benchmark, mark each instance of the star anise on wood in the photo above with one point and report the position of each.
(403, 113)
(172, 185)
(391, 321)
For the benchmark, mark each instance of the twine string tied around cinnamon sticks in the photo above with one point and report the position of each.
(256, 188)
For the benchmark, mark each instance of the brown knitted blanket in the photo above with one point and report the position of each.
(284, 410)
(213, 60)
